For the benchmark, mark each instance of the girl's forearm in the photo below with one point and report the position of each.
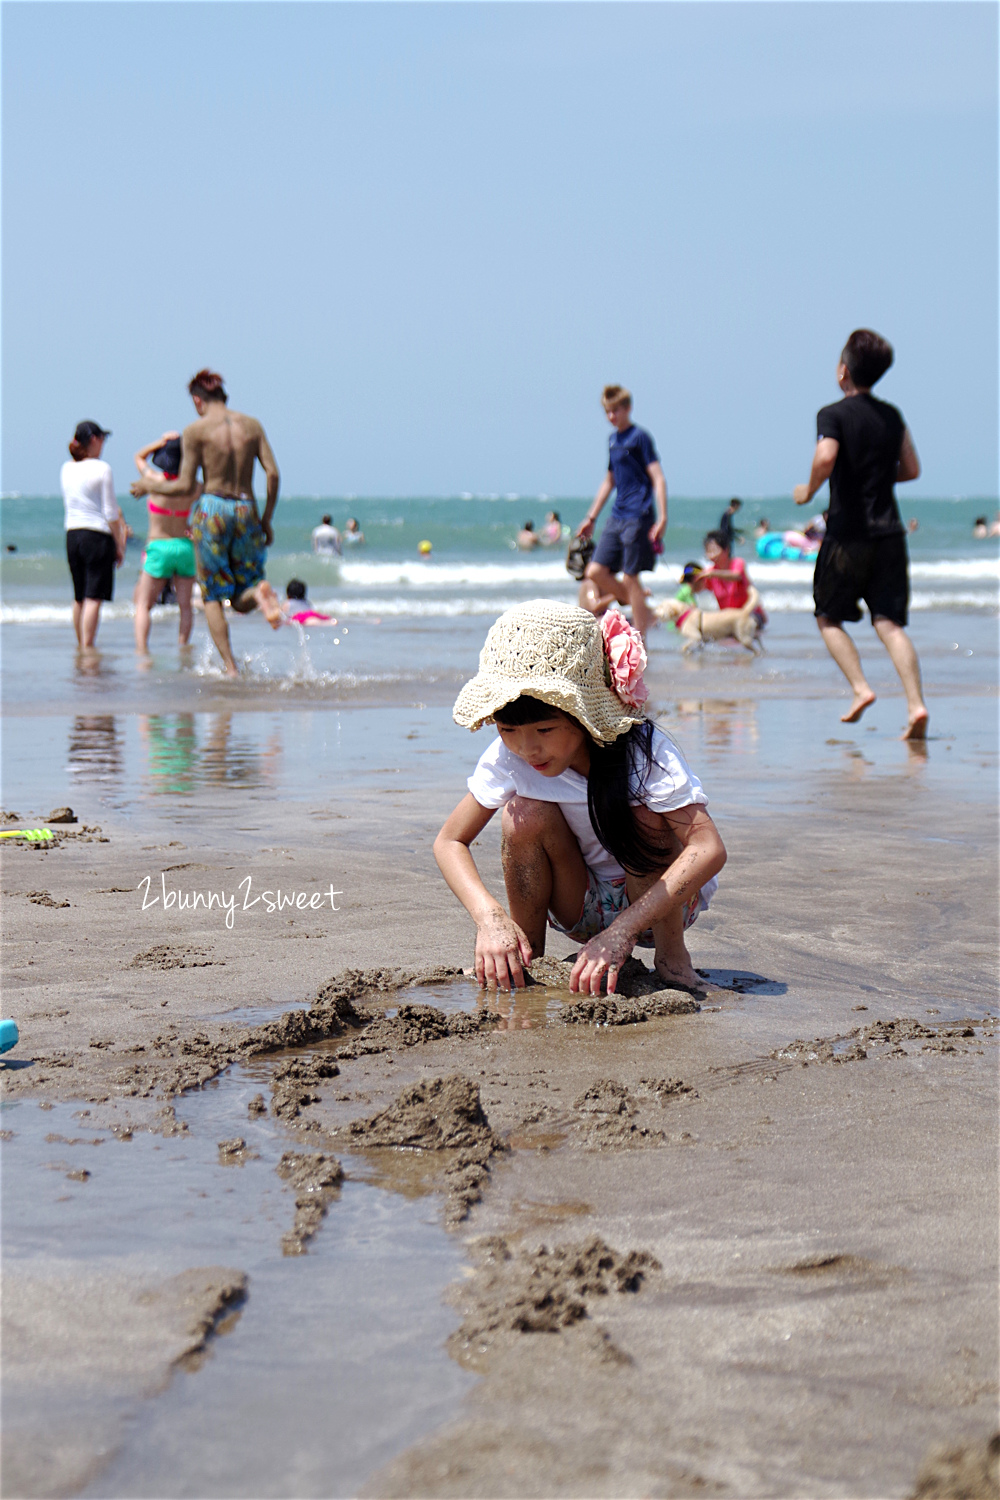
(459, 870)
(693, 867)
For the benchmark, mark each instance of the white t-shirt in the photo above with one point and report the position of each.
(89, 493)
(501, 775)
(326, 539)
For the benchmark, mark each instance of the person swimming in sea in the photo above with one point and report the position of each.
(298, 609)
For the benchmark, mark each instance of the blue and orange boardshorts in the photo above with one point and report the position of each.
(229, 546)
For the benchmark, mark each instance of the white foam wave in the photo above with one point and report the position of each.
(56, 614)
(433, 575)
(412, 573)
(958, 567)
(776, 600)
(921, 599)
(409, 608)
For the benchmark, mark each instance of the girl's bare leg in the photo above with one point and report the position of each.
(77, 620)
(183, 588)
(671, 958)
(543, 868)
(147, 591)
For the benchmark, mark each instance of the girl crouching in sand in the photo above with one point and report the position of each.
(605, 830)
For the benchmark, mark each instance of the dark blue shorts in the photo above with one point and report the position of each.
(624, 546)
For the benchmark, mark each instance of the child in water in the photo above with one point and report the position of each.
(298, 608)
(606, 833)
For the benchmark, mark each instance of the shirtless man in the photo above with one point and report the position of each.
(230, 538)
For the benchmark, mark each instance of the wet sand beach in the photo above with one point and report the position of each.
(289, 1208)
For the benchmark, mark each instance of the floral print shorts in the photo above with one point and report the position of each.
(229, 546)
(606, 899)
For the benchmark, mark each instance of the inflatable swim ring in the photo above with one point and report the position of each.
(778, 545)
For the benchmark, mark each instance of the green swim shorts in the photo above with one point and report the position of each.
(168, 557)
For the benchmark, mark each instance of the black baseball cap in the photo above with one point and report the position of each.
(87, 430)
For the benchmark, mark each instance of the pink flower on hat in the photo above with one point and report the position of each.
(626, 659)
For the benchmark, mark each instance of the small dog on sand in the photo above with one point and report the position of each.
(700, 625)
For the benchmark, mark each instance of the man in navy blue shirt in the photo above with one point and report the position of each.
(631, 536)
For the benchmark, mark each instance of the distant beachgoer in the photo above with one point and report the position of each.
(762, 528)
(352, 532)
(690, 584)
(326, 538)
(230, 538)
(634, 531)
(95, 528)
(527, 537)
(606, 833)
(727, 578)
(815, 527)
(995, 525)
(552, 531)
(912, 525)
(169, 556)
(980, 528)
(298, 608)
(726, 526)
(864, 448)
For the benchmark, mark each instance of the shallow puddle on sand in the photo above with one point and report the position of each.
(539, 1004)
(336, 1361)
(534, 1006)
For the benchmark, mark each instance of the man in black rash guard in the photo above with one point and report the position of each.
(864, 448)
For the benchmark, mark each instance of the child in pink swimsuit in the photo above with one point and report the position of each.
(298, 608)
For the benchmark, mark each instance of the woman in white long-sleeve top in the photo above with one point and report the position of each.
(95, 528)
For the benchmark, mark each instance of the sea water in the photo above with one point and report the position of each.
(410, 627)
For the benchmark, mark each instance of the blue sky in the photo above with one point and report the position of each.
(417, 239)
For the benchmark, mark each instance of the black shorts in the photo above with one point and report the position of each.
(873, 569)
(91, 556)
(625, 546)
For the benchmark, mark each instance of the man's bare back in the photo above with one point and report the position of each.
(225, 445)
(230, 536)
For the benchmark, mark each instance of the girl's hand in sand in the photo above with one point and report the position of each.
(604, 954)
(501, 950)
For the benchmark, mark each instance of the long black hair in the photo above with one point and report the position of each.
(618, 772)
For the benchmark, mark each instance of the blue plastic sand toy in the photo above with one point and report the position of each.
(8, 1035)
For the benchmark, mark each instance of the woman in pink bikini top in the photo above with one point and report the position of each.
(166, 455)
(169, 555)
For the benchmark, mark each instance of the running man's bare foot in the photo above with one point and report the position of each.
(270, 605)
(857, 708)
(917, 727)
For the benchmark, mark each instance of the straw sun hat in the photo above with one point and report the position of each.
(563, 656)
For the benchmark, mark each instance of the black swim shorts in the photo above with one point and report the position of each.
(91, 556)
(624, 546)
(875, 569)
